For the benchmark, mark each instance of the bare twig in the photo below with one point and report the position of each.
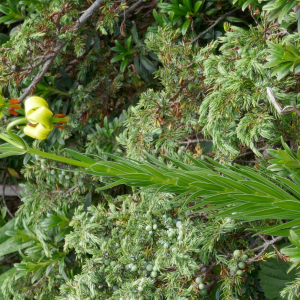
(64, 191)
(89, 12)
(282, 111)
(251, 152)
(264, 248)
(214, 24)
(132, 8)
(194, 141)
(3, 197)
(247, 161)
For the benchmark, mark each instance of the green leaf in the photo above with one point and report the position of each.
(274, 278)
(148, 64)
(289, 205)
(128, 42)
(97, 43)
(124, 64)
(11, 246)
(118, 58)
(121, 47)
(185, 26)
(158, 18)
(188, 4)
(197, 6)
(4, 9)
(135, 34)
(236, 20)
(282, 70)
(80, 156)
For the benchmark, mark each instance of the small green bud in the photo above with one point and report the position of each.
(239, 272)
(199, 280)
(234, 268)
(237, 253)
(52, 172)
(171, 233)
(242, 265)
(203, 292)
(107, 262)
(244, 258)
(154, 226)
(149, 267)
(134, 268)
(113, 263)
(153, 274)
(201, 286)
(148, 228)
(179, 224)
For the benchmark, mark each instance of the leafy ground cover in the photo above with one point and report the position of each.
(157, 143)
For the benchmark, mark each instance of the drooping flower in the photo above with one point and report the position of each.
(40, 118)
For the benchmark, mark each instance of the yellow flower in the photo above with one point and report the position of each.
(40, 117)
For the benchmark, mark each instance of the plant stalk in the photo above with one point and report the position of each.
(59, 158)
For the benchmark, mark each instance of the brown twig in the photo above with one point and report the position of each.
(132, 8)
(264, 248)
(194, 141)
(64, 191)
(88, 13)
(282, 111)
(214, 24)
(251, 152)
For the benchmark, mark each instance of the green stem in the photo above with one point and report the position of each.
(6, 139)
(16, 122)
(15, 137)
(59, 158)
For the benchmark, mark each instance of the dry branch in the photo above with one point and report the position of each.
(214, 24)
(88, 13)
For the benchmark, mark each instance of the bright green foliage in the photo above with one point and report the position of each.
(237, 109)
(174, 232)
(103, 139)
(285, 59)
(181, 8)
(119, 252)
(163, 118)
(293, 252)
(285, 162)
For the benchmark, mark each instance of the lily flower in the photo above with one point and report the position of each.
(40, 118)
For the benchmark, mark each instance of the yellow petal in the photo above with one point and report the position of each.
(39, 132)
(33, 103)
(28, 130)
(42, 115)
